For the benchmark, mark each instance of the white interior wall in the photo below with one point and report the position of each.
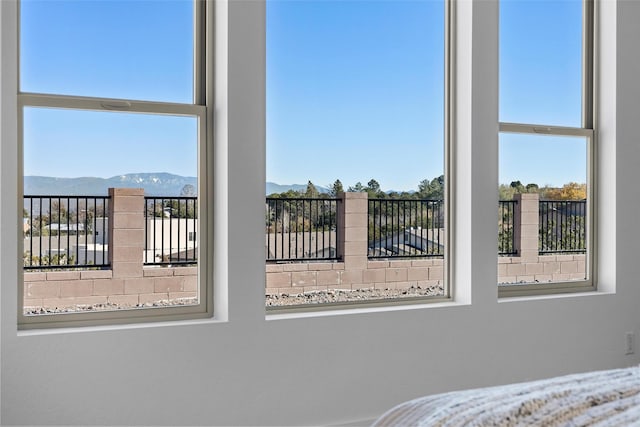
(343, 366)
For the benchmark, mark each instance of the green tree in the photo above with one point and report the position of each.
(88, 221)
(59, 213)
(432, 190)
(373, 189)
(337, 189)
(358, 188)
(188, 191)
(506, 192)
(532, 188)
(517, 186)
(312, 191)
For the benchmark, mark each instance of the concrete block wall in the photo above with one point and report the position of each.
(529, 266)
(388, 274)
(63, 290)
(541, 269)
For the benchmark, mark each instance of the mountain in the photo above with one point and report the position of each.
(154, 184)
(272, 187)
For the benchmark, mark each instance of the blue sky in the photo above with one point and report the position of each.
(354, 89)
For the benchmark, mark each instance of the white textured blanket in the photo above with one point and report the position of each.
(602, 398)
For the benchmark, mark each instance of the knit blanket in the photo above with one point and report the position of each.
(602, 398)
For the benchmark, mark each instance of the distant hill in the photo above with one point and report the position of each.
(272, 187)
(154, 184)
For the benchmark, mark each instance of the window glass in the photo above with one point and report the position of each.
(115, 49)
(355, 103)
(542, 159)
(68, 143)
(88, 249)
(541, 62)
(543, 209)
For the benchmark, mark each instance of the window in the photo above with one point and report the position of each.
(114, 155)
(546, 220)
(356, 143)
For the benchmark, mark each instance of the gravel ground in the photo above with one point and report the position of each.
(110, 307)
(323, 297)
(272, 300)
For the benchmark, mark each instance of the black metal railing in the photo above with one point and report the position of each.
(562, 226)
(405, 228)
(301, 229)
(171, 225)
(65, 232)
(506, 234)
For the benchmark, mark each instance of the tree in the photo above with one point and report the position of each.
(358, 188)
(432, 190)
(423, 187)
(88, 221)
(373, 189)
(337, 189)
(312, 191)
(188, 191)
(59, 213)
(506, 192)
(517, 186)
(291, 194)
(570, 191)
(532, 188)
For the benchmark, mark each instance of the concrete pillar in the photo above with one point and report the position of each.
(126, 232)
(525, 227)
(352, 242)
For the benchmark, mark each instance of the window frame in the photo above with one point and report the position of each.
(200, 108)
(588, 131)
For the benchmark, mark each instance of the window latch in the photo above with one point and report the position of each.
(116, 105)
(542, 129)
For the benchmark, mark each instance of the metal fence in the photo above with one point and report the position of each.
(562, 226)
(65, 232)
(171, 225)
(405, 228)
(298, 229)
(506, 235)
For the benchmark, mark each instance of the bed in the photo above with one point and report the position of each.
(601, 398)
